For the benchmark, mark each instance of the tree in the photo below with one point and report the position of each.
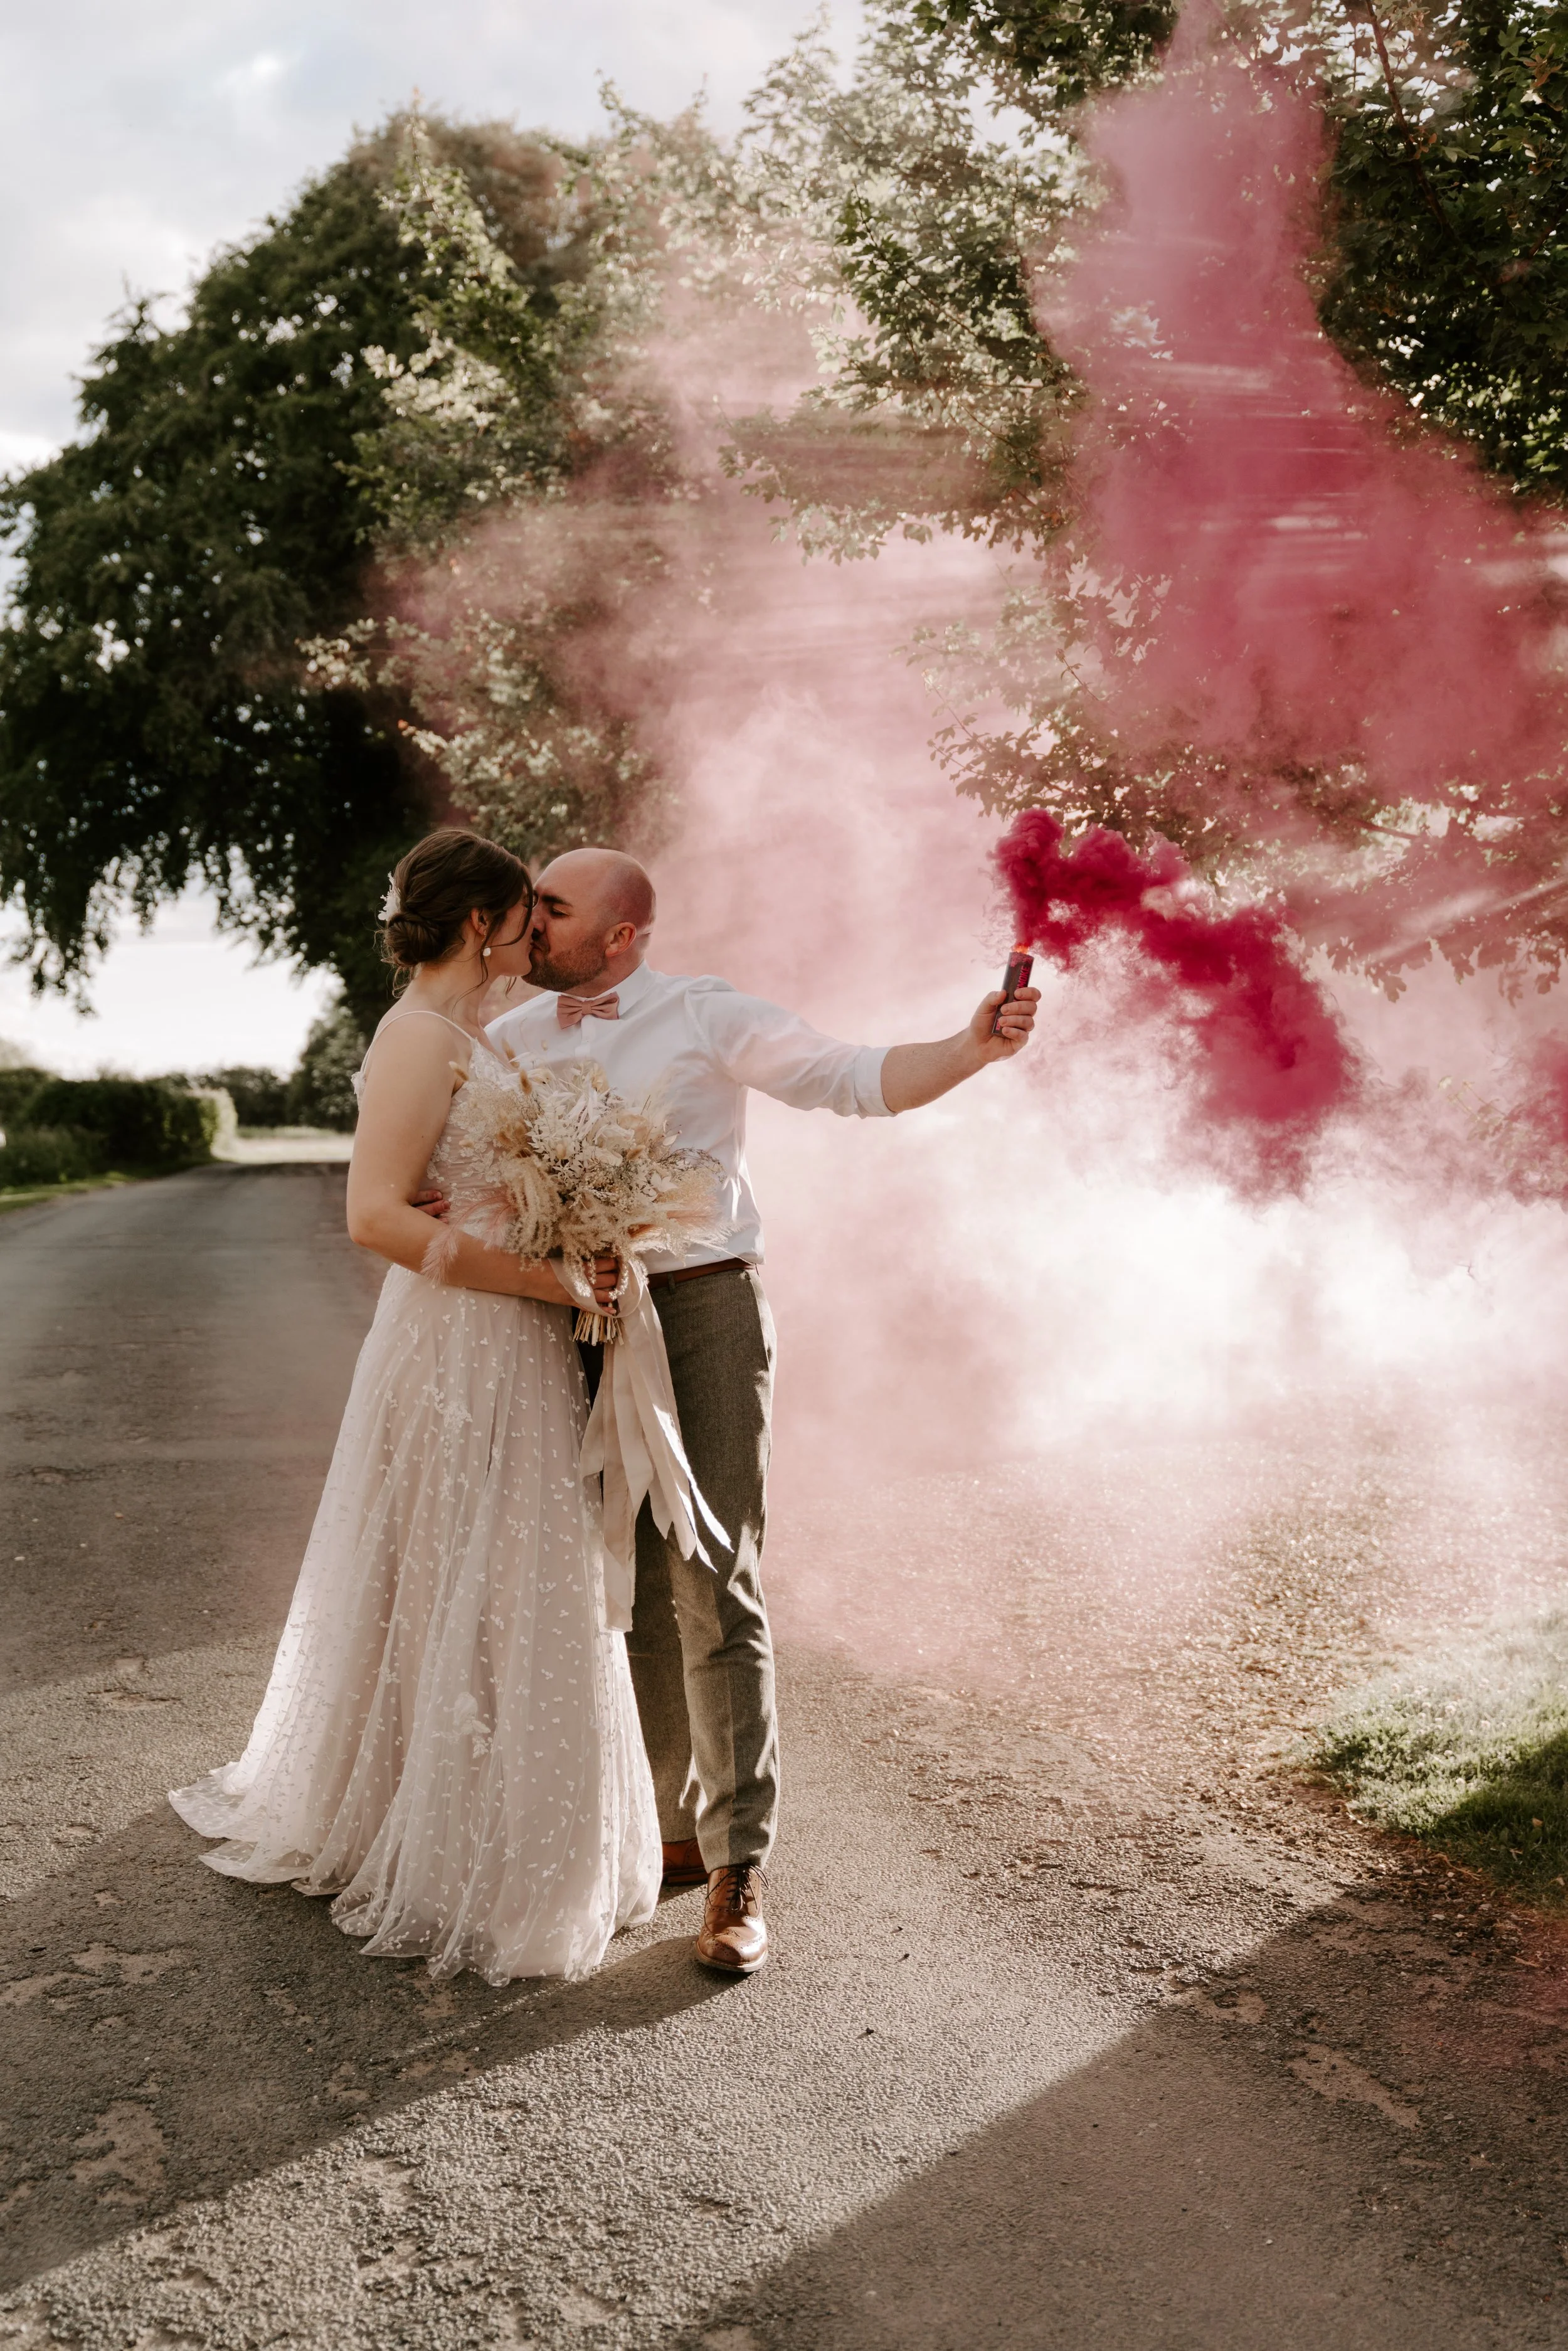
(519, 447)
(1443, 268)
(260, 1096)
(157, 719)
(1446, 268)
(902, 217)
(1050, 54)
(340, 552)
(321, 1092)
(1444, 240)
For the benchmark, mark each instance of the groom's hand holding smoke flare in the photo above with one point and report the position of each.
(1002, 1024)
(1020, 964)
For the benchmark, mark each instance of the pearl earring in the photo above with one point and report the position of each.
(485, 954)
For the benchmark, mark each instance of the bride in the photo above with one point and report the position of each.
(448, 1745)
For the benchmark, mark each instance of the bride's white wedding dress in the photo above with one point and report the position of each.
(449, 1743)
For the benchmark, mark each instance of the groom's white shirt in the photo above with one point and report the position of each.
(706, 1044)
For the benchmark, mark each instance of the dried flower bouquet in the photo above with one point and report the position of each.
(564, 1166)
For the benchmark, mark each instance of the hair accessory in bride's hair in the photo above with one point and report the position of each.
(393, 903)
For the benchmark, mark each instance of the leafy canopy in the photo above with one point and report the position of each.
(1445, 270)
(1441, 273)
(227, 655)
(235, 475)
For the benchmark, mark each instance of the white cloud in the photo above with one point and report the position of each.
(256, 95)
(259, 73)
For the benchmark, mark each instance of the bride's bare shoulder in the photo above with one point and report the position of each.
(418, 1047)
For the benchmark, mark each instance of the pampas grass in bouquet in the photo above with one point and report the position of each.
(556, 1164)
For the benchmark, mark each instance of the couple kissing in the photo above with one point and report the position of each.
(455, 1747)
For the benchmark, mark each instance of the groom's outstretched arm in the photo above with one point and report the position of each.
(759, 1044)
(914, 1074)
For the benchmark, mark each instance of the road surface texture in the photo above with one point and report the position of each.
(1087, 2025)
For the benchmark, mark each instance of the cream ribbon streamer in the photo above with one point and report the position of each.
(632, 1442)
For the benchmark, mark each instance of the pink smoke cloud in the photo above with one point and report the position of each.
(1044, 1257)
(1272, 1061)
(1349, 602)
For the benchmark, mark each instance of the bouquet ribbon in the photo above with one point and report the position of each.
(632, 1443)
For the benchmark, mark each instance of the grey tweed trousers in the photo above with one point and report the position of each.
(700, 1650)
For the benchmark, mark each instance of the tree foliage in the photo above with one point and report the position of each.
(321, 1092)
(235, 475)
(143, 1123)
(533, 423)
(901, 217)
(1444, 219)
(492, 404)
(918, 202)
(1050, 53)
(1446, 268)
(260, 1096)
(341, 550)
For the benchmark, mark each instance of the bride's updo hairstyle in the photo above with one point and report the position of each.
(446, 877)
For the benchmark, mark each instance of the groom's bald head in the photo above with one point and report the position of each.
(594, 908)
(606, 880)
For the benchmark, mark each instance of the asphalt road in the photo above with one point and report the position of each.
(1072, 2038)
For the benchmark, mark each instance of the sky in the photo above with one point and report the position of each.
(182, 998)
(132, 142)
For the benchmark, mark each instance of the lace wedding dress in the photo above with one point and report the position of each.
(449, 1744)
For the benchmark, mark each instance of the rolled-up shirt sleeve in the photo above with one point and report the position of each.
(761, 1045)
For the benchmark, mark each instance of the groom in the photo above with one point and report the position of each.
(701, 1658)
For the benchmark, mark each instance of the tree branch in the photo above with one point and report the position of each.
(1400, 117)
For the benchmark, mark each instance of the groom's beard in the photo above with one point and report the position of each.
(556, 973)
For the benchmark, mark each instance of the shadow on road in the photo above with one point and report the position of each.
(171, 2033)
(1329, 2152)
(1323, 2148)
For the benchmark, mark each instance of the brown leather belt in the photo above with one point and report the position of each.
(695, 1273)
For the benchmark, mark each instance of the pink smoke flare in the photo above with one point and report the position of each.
(1272, 1062)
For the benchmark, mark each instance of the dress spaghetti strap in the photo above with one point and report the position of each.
(414, 1012)
(423, 1012)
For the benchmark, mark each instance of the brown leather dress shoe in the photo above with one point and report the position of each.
(684, 1864)
(734, 1937)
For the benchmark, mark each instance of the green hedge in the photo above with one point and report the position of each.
(132, 1122)
(17, 1088)
(47, 1155)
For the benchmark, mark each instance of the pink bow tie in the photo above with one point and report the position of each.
(572, 1010)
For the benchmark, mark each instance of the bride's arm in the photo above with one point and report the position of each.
(407, 1094)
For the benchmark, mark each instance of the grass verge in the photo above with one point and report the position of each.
(29, 1195)
(1468, 1751)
